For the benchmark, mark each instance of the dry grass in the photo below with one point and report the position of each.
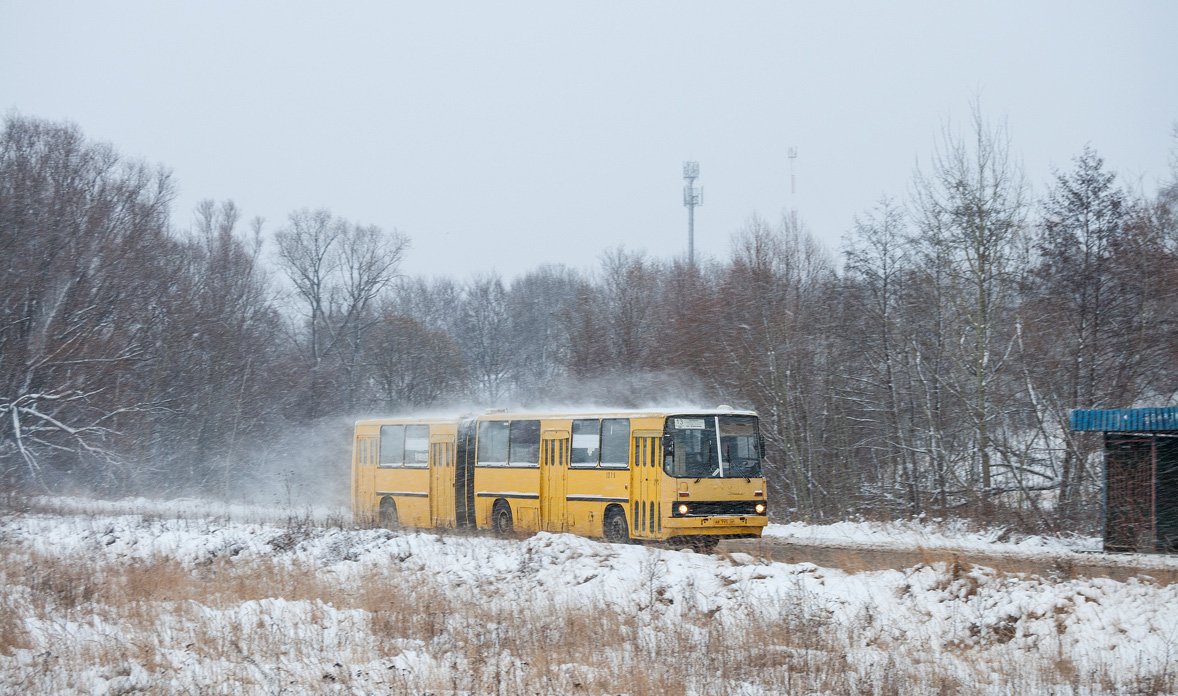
(276, 626)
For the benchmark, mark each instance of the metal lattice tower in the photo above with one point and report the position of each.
(691, 198)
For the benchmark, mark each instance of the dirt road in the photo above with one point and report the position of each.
(1054, 565)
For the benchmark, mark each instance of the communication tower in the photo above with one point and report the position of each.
(691, 198)
(793, 189)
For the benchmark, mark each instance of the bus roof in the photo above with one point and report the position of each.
(497, 414)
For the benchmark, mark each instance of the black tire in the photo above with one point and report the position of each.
(501, 522)
(388, 514)
(614, 527)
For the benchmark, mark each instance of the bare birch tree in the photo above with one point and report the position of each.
(973, 201)
(878, 266)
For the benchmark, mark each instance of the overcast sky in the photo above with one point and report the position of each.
(506, 135)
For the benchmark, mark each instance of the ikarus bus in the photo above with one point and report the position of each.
(680, 476)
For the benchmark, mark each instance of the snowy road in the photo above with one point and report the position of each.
(1053, 565)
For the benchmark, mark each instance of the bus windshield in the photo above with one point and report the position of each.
(712, 447)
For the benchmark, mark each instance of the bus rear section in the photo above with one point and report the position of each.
(403, 472)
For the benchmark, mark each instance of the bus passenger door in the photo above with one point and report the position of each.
(646, 503)
(364, 478)
(441, 480)
(554, 467)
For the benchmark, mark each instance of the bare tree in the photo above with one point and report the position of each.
(1070, 301)
(973, 201)
(686, 302)
(629, 284)
(587, 336)
(538, 303)
(80, 229)
(215, 368)
(338, 270)
(770, 323)
(486, 338)
(434, 303)
(412, 365)
(878, 266)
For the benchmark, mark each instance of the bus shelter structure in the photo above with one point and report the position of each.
(1140, 476)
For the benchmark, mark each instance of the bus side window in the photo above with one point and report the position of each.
(392, 445)
(525, 442)
(615, 442)
(417, 445)
(586, 442)
(492, 444)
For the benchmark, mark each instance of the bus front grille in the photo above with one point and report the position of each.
(716, 508)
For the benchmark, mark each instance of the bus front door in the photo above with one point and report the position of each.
(646, 505)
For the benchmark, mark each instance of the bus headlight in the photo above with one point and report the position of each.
(682, 508)
(760, 508)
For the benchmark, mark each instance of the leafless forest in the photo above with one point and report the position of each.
(926, 367)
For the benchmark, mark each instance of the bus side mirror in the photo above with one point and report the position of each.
(761, 444)
(668, 447)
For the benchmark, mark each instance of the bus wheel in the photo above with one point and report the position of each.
(501, 519)
(388, 514)
(614, 528)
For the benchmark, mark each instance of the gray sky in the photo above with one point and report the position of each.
(506, 135)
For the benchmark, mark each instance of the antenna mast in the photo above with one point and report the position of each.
(691, 198)
(793, 189)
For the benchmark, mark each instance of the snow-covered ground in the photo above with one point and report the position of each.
(197, 508)
(530, 615)
(936, 533)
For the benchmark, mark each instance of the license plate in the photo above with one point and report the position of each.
(725, 520)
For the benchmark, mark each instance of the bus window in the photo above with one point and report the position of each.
(493, 442)
(740, 446)
(392, 445)
(615, 442)
(525, 442)
(417, 445)
(586, 442)
(712, 447)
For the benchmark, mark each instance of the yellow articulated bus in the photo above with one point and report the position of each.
(691, 477)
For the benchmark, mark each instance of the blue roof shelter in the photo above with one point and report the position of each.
(1140, 475)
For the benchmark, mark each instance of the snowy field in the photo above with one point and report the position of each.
(194, 597)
